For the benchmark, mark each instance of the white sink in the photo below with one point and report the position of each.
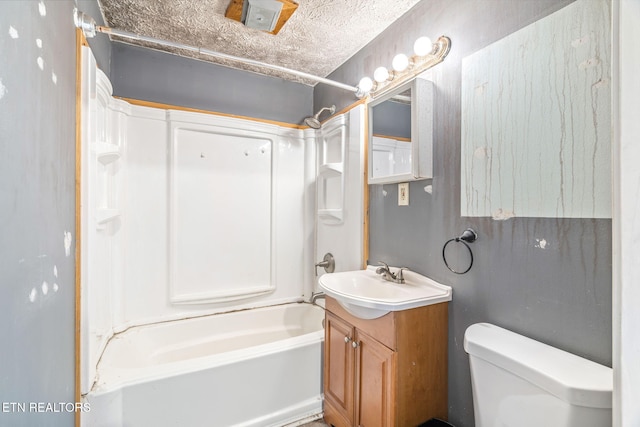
(367, 295)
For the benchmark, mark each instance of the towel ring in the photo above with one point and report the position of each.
(468, 236)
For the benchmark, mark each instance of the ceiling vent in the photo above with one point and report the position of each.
(264, 15)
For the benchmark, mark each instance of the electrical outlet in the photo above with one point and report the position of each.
(403, 194)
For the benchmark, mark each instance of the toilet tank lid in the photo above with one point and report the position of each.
(571, 378)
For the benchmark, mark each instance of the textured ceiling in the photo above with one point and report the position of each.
(317, 39)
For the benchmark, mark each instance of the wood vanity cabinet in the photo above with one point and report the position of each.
(390, 371)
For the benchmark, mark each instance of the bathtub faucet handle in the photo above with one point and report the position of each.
(328, 262)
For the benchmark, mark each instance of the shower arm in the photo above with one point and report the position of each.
(88, 25)
(331, 109)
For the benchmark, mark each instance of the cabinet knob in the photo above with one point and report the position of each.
(347, 339)
(355, 344)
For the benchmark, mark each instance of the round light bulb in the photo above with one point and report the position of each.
(381, 74)
(400, 62)
(423, 46)
(366, 84)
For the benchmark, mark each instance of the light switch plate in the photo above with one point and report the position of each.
(403, 194)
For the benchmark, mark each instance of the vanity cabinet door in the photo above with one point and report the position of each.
(390, 371)
(339, 371)
(375, 382)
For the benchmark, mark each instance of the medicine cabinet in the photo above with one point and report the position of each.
(401, 134)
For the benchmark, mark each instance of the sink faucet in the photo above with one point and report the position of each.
(388, 275)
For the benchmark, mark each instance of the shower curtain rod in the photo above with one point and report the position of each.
(88, 25)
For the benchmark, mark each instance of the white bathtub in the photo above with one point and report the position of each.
(259, 367)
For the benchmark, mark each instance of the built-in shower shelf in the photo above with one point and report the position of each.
(107, 152)
(331, 215)
(331, 169)
(104, 215)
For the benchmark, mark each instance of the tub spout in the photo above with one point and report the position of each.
(315, 296)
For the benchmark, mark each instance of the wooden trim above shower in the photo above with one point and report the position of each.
(80, 41)
(162, 106)
(234, 11)
(151, 104)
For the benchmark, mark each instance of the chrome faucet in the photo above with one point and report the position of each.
(315, 296)
(388, 275)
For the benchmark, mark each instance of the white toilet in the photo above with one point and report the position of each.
(519, 382)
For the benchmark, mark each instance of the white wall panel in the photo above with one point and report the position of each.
(143, 292)
(343, 238)
(220, 215)
(229, 227)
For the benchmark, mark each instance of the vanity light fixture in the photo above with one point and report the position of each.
(365, 85)
(423, 46)
(381, 75)
(427, 54)
(400, 62)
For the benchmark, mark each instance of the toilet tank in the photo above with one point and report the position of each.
(520, 382)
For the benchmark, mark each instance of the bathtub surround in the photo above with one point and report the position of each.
(242, 182)
(549, 279)
(206, 219)
(189, 246)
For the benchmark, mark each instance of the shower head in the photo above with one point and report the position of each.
(314, 122)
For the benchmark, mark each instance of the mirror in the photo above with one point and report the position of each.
(400, 134)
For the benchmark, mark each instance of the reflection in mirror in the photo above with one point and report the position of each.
(391, 136)
(400, 134)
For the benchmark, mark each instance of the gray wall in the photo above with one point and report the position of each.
(560, 295)
(37, 208)
(156, 76)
